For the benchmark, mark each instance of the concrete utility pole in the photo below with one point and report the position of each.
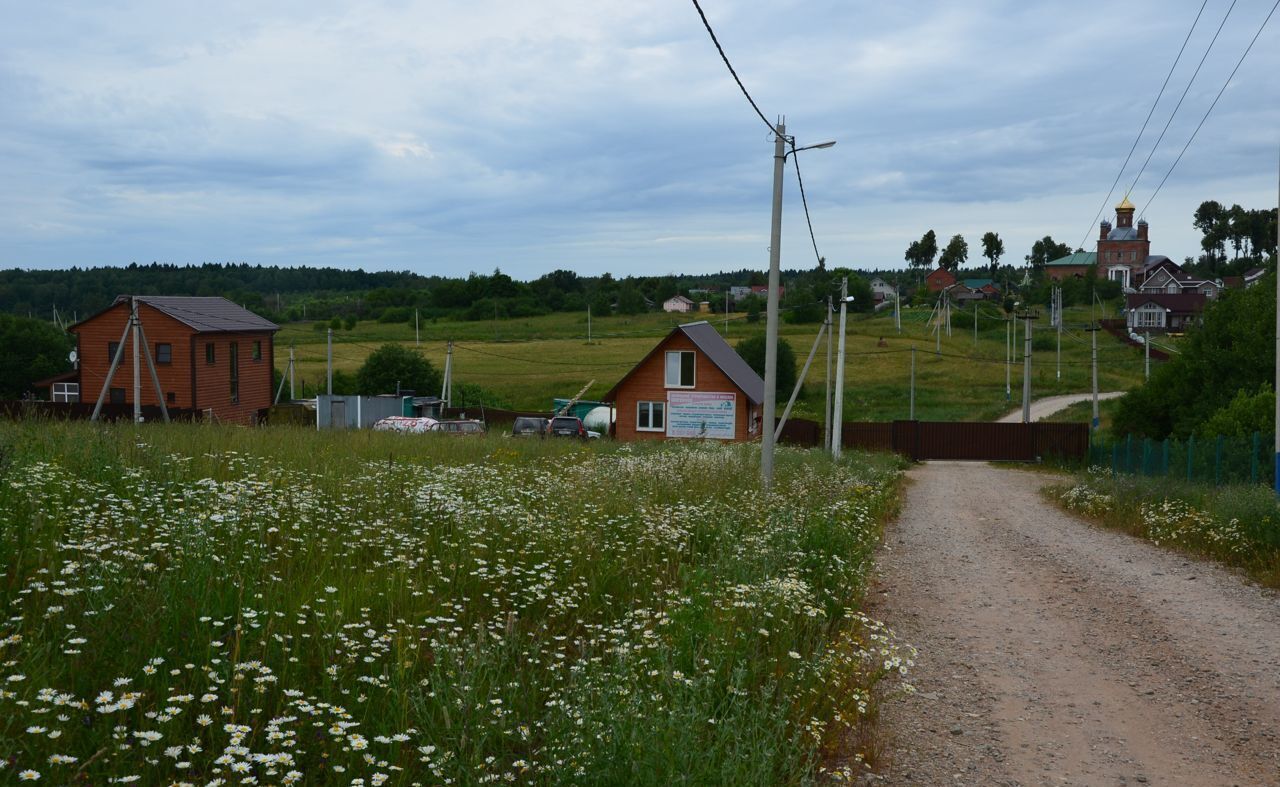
(1093, 330)
(771, 310)
(1028, 316)
(837, 407)
(1008, 359)
(826, 412)
(137, 361)
(292, 394)
(1146, 356)
(975, 325)
(588, 323)
(329, 366)
(417, 340)
(804, 373)
(1277, 380)
(446, 387)
(897, 309)
(911, 412)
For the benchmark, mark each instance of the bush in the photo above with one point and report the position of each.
(752, 351)
(1247, 413)
(392, 367)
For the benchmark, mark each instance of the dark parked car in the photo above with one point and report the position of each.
(526, 425)
(567, 426)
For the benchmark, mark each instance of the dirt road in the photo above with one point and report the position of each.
(1043, 408)
(1052, 652)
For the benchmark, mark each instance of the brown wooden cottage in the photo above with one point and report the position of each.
(692, 385)
(209, 354)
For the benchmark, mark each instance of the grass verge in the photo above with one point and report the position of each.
(192, 604)
(1237, 525)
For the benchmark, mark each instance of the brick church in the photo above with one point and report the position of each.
(1123, 255)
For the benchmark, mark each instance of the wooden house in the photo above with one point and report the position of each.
(691, 385)
(209, 354)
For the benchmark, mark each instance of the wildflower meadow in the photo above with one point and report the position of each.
(1238, 525)
(220, 606)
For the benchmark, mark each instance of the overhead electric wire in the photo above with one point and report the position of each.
(1134, 146)
(1239, 62)
(1185, 90)
(804, 201)
(729, 65)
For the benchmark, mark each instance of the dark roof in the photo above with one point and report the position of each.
(1123, 233)
(1156, 260)
(204, 314)
(1080, 258)
(1254, 273)
(1177, 302)
(708, 340)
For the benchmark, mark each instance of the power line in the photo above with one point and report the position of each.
(1185, 90)
(1143, 130)
(1211, 106)
(795, 159)
(729, 65)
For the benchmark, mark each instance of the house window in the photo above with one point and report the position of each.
(164, 353)
(208, 353)
(112, 348)
(1173, 288)
(235, 372)
(116, 396)
(1149, 317)
(680, 369)
(66, 392)
(257, 350)
(651, 416)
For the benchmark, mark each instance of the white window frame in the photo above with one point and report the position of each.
(666, 369)
(65, 392)
(1149, 317)
(651, 408)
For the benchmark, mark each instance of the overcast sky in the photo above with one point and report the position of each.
(449, 137)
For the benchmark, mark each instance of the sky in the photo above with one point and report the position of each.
(450, 137)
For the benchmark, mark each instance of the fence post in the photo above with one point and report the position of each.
(1191, 452)
(1217, 462)
(1115, 457)
(1253, 458)
(1128, 453)
(1164, 464)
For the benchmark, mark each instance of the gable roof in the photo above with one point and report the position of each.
(1155, 261)
(1080, 258)
(1177, 302)
(709, 341)
(204, 314)
(977, 284)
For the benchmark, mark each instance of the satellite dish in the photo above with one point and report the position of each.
(74, 356)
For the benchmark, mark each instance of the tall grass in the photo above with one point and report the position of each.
(1238, 524)
(192, 604)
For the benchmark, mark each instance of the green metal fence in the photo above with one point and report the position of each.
(1215, 460)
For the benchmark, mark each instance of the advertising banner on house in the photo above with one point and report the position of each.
(706, 415)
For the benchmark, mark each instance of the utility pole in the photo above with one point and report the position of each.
(1146, 353)
(446, 388)
(329, 366)
(1093, 330)
(726, 312)
(1057, 316)
(911, 413)
(771, 311)
(417, 338)
(975, 325)
(137, 362)
(897, 309)
(804, 373)
(826, 412)
(1028, 316)
(588, 323)
(1008, 359)
(1277, 380)
(837, 407)
(292, 394)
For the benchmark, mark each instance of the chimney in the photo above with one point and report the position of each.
(1142, 229)
(1105, 228)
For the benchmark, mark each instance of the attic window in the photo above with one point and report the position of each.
(680, 365)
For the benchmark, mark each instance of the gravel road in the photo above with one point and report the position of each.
(1043, 408)
(1056, 653)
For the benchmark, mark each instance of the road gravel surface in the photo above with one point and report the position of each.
(1052, 652)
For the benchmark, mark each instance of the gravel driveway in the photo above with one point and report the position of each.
(1043, 408)
(1052, 652)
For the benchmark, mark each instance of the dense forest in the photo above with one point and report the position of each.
(290, 294)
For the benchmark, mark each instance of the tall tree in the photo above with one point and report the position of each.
(928, 249)
(955, 254)
(993, 250)
(392, 367)
(1213, 221)
(33, 349)
(1044, 250)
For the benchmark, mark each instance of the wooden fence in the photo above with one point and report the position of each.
(15, 409)
(920, 440)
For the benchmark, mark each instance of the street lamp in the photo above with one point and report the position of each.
(780, 153)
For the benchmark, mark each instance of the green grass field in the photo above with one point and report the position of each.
(190, 604)
(529, 361)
